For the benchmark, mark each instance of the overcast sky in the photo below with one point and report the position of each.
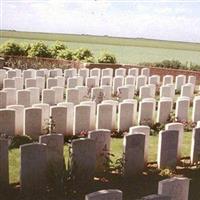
(168, 20)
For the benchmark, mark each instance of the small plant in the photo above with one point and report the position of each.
(166, 172)
(50, 126)
(11, 48)
(18, 140)
(66, 54)
(83, 54)
(117, 134)
(107, 58)
(39, 49)
(56, 48)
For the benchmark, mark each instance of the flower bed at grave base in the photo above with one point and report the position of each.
(23, 62)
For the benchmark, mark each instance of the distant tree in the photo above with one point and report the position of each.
(56, 48)
(11, 48)
(107, 58)
(39, 49)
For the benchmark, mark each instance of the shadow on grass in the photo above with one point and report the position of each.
(134, 188)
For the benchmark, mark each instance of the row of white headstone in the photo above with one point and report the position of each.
(109, 114)
(176, 188)
(89, 155)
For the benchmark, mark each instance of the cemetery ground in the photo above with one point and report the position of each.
(127, 50)
(140, 185)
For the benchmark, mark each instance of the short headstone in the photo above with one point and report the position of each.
(118, 81)
(8, 83)
(83, 159)
(177, 188)
(106, 116)
(19, 111)
(33, 122)
(24, 98)
(19, 83)
(45, 114)
(107, 72)
(120, 72)
(72, 95)
(187, 90)
(133, 72)
(62, 119)
(93, 107)
(30, 82)
(59, 94)
(11, 98)
(3, 99)
(48, 97)
(140, 81)
(180, 80)
(127, 115)
(84, 72)
(182, 109)
(95, 72)
(82, 118)
(168, 79)
(145, 92)
(134, 145)
(167, 149)
(83, 93)
(105, 195)
(154, 79)
(164, 110)
(72, 82)
(33, 171)
(146, 112)
(192, 79)
(97, 95)
(8, 122)
(51, 82)
(35, 95)
(130, 80)
(145, 72)
(92, 81)
(107, 90)
(106, 80)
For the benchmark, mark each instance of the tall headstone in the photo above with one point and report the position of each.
(167, 149)
(72, 95)
(48, 97)
(180, 128)
(33, 168)
(134, 145)
(102, 139)
(83, 159)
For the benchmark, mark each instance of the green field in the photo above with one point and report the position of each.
(127, 50)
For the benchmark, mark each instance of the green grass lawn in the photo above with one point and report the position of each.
(127, 50)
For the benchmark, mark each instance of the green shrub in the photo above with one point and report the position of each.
(26, 47)
(107, 58)
(65, 54)
(19, 140)
(11, 48)
(56, 48)
(83, 54)
(39, 49)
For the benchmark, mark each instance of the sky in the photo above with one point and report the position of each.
(162, 19)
